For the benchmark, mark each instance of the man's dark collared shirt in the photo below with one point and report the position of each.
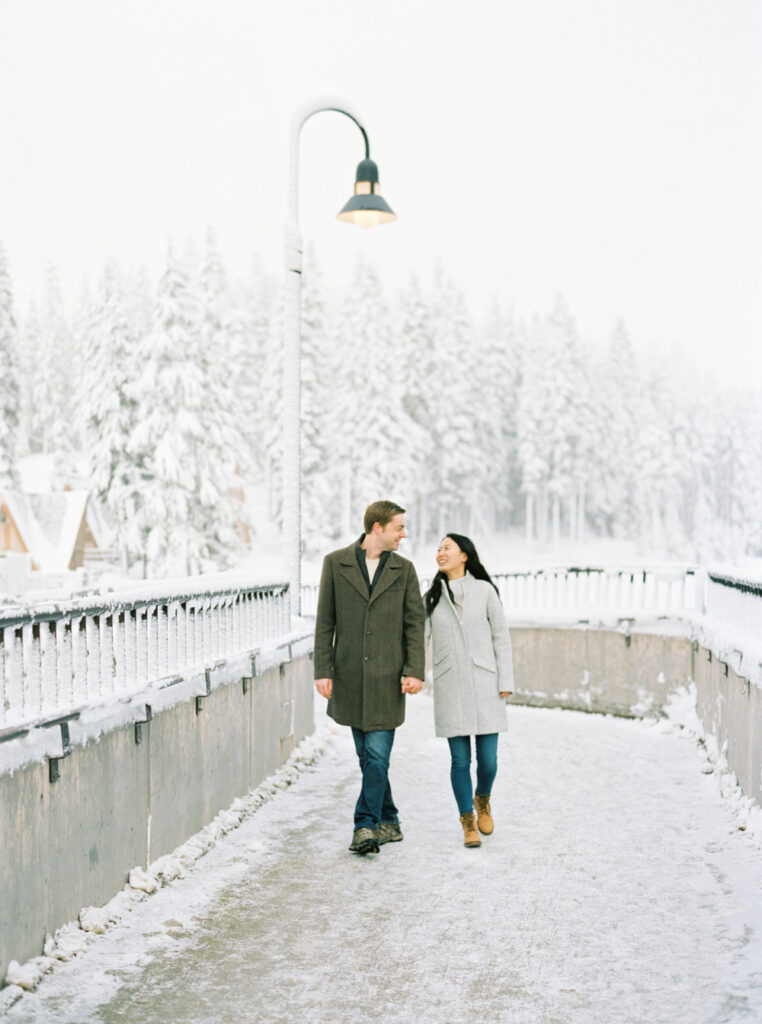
(360, 552)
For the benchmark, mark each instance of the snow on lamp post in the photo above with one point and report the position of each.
(366, 208)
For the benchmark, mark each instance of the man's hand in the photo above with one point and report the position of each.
(506, 693)
(324, 687)
(411, 685)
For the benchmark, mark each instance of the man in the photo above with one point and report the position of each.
(368, 655)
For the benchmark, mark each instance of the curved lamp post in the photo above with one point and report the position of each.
(365, 208)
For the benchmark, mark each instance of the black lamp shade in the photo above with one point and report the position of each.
(366, 208)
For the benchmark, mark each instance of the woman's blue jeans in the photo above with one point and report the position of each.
(375, 802)
(460, 768)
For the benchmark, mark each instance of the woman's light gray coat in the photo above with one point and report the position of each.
(472, 662)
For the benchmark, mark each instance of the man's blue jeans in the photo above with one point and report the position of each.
(375, 803)
(460, 768)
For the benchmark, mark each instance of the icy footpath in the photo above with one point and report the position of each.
(617, 888)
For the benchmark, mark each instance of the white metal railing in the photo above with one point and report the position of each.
(605, 592)
(63, 655)
(613, 592)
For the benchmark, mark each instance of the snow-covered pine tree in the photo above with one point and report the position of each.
(583, 376)
(699, 500)
(533, 430)
(458, 461)
(221, 453)
(270, 425)
(376, 441)
(320, 480)
(565, 382)
(617, 397)
(498, 375)
(246, 328)
(110, 367)
(27, 354)
(53, 387)
(82, 327)
(10, 398)
(418, 369)
(166, 441)
(679, 486)
(749, 434)
(738, 474)
(654, 465)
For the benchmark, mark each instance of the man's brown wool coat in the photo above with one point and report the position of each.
(367, 643)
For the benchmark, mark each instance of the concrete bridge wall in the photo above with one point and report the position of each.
(118, 804)
(633, 675)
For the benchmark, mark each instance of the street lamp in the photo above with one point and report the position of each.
(365, 208)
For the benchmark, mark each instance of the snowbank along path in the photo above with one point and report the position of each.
(616, 888)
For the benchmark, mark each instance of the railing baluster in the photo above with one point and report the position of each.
(92, 640)
(173, 661)
(119, 652)
(162, 641)
(106, 644)
(65, 654)
(5, 703)
(30, 653)
(49, 696)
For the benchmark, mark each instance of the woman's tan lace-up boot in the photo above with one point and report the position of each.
(470, 835)
(483, 816)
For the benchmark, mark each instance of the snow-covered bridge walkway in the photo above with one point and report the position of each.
(616, 888)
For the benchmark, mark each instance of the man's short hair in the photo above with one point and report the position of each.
(381, 512)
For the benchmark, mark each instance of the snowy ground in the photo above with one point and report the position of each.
(616, 888)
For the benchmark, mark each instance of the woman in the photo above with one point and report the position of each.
(473, 674)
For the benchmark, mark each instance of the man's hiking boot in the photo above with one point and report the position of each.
(388, 832)
(470, 835)
(364, 841)
(483, 815)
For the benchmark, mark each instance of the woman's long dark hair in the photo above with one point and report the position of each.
(473, 565)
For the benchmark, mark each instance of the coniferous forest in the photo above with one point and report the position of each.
(168, 392)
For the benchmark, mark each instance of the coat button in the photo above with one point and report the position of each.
(366, 658)
(369, 633)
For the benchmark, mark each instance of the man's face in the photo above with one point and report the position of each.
(391, 534)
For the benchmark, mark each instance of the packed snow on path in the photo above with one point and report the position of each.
(617, 887)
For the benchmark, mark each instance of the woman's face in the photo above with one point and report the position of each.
(449, 556)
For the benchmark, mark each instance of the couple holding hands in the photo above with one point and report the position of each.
(371, 632)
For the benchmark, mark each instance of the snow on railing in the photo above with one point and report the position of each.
(57, 656)
(732, 621)
(610, 592)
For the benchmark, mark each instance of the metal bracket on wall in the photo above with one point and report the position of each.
(54, 772)
(139, 725)
(246, 681)
(202, 696)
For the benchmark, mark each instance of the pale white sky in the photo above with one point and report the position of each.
(607, 149)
